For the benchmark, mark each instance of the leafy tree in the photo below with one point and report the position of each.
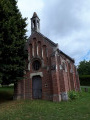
(12, 42)
(84, 68)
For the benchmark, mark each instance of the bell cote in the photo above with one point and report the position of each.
(35, 23)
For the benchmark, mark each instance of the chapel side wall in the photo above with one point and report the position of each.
(68, 75)
(71, 80)
(73, 76)
(55, 78)
(61, 76)
(77, 79)
(64, 78)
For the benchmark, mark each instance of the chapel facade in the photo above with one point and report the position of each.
(50, 73)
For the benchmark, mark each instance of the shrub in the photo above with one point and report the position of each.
(73, 95)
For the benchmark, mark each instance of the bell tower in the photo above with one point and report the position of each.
(35, 23)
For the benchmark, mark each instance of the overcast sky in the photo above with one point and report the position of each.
(66, 22)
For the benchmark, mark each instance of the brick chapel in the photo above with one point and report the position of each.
(50, 73)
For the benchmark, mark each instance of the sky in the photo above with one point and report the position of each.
(66, 22)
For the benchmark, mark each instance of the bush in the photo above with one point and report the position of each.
(73, 95)
(84, 80)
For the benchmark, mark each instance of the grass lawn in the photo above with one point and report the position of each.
(78, 109)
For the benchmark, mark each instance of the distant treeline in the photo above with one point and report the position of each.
(84, 80)
(84, 72)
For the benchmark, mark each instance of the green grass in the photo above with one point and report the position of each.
(78, 109)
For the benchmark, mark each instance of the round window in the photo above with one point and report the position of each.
(36, 65)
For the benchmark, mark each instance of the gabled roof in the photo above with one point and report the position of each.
(59, 51)
(66, 55)
(54, 44)
(48, 39)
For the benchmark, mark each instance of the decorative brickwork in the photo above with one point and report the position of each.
(46, 62)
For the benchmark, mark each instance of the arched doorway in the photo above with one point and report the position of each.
(37, 87)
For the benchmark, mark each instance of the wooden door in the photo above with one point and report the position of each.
(37, 87)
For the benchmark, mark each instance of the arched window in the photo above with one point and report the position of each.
(34, 47)
(44, 51)
(33, 23)
(39, 49)
(37, 23)
(30, 46)
(36, 65)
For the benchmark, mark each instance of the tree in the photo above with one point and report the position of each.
(12, 42)
(84, 68)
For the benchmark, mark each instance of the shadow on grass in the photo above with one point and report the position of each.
(6, 94)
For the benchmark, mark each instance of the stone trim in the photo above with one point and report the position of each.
(35, 74)
(64, 96)
(29, 66)
(60, 67)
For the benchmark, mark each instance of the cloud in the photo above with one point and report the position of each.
(66, 22)
(27, 8)
(65, 16)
